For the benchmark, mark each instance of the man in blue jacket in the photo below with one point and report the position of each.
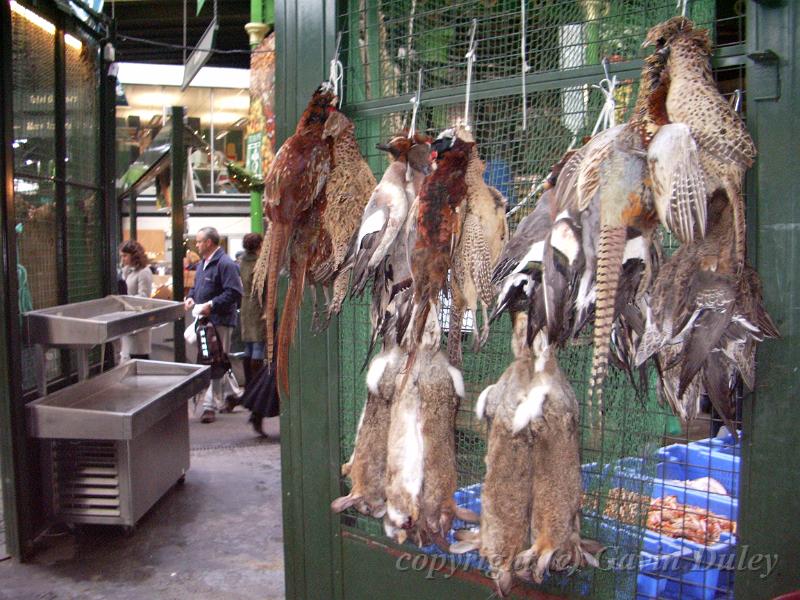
(217, 292)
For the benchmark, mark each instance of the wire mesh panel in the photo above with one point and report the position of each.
(34, 164)
(35, 191)
(660, 496)
(84, 229)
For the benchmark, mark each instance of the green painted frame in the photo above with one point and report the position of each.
(325, 559)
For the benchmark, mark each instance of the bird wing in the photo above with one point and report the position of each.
(532, 229)
(679, 189)
(372, 240)
(296, 177)
(580, 177)
(719, 130)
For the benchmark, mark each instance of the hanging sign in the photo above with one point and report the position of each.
(200, 55)
(254, 162)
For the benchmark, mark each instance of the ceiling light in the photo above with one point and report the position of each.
(32, 17)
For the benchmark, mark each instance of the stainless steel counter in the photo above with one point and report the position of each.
(114, 444)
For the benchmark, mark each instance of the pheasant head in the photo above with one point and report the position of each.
(662, 34)
(318, 109)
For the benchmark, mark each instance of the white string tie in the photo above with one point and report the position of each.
(471, 57)
(607, 116)
(415, 102)
(336, 72)
(525, 68)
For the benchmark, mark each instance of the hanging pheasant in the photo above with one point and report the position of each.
(441, 196)
(726, 149)
(347, 191)
(293, 185)
(644, 171)
(484, 233)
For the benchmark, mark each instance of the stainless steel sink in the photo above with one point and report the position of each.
(81, 325)
(97, 321)
(119, 404)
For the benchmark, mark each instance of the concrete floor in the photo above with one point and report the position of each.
(218, 536)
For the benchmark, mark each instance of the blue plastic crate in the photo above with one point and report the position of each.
(670, 567)
(695, 460)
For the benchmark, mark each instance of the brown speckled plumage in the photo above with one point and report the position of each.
(484, 234)
(726, 148)
(347, 191)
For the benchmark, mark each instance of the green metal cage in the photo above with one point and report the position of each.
(384, 44)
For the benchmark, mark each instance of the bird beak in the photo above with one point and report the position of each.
(384, 147)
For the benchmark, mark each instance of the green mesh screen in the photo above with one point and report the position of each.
(34, 167)
(34, 98)
(84, 230)
(385, 45)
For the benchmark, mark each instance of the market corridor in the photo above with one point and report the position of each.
(219, 535)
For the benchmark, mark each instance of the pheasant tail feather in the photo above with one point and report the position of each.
(609, 262)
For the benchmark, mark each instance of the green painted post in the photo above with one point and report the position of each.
(305, 40)
(770, 478)
(178, 154)
(261, 11)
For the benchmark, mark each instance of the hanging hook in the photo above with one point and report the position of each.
(525, 68)
(471, 57)
(736, 100)
(415, 102)
(683, 7)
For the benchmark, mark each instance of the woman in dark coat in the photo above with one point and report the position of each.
(261, 396)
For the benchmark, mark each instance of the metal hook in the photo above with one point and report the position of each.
(736, 100)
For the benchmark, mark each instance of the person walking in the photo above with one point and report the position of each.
(139, 282)
(260, 395)
(217, 292)
(251, 320)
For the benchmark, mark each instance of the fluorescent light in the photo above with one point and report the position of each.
(72, 42)
(43, 24)
(221, 135)
(31, 16)
(172, 75)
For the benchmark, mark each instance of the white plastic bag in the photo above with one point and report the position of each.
(190, 333)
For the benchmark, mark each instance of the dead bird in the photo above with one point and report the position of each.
(385, 213)
(348, 189)
(550, 413)
(367, 465)
(506, 491)
(483, 235)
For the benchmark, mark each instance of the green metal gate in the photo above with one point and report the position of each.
(384, 44)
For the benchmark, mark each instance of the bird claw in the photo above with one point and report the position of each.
(480, 338)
